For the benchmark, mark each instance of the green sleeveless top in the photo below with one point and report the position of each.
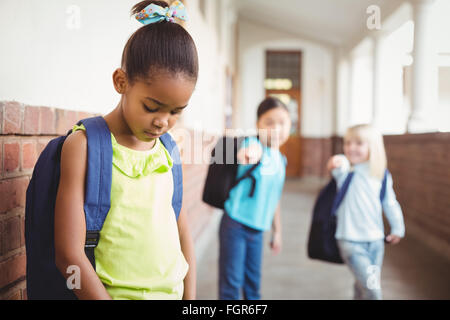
(139, 254)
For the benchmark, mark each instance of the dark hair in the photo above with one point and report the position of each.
(159, 46)
(269, 104)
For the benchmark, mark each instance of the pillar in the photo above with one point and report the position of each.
(424, 70)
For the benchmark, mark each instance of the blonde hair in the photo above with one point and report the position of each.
(377, 153)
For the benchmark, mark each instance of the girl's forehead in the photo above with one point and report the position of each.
(275, 113)
(169, 90)
(355, 136)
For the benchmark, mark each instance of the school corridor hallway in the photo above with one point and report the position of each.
(410, 270)
(333, 63)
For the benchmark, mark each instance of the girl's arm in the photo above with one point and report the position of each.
(276, 241)
(393, 213)
(70, 224)
(187, 246)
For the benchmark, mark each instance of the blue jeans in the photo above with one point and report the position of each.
(364, 260)
(240, 258)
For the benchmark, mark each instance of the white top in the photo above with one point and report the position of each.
(359, 216)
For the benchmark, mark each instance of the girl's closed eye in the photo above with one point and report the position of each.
(148, 109)
(177, 111)
(173, 112)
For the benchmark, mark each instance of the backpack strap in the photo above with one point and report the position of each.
(248, 174)
(177, 172)
(384, 185)
(341, 193)
(98, 180)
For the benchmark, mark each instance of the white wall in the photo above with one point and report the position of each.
(317, 77)
(444, 99)
(214, 37)
(48, 59)
(343, 87)
(361, 95)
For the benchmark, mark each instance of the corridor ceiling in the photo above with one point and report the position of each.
(335, 22)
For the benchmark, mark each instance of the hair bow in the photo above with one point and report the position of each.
(154, 13)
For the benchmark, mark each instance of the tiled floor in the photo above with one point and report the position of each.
(410, 270)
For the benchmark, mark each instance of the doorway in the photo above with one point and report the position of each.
(283, 80)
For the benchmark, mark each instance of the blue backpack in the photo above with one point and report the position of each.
(322, 244)
(44, 280)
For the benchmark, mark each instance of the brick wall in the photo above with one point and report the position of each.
(420, 166)
(195, 168)
(24, 132)
(315, 154)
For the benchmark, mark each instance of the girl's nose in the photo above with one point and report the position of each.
(277, 129)
(161, 122)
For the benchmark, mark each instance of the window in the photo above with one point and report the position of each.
(282, 81)
(283, 71)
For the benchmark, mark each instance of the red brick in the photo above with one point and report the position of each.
(41, 144)
(22, 231)
(65, 120)
(315, 153)
(83, 115)
(11, 234)
(1, 117)
(12, 269)
(13, 193)
(12, 118)
(419, 166)
(11, 156)
(47, 120)
(1, 157)
(31, 120)
(15, 296)
(1, 238)
(60, 124)
(71, 120)
(29, 155)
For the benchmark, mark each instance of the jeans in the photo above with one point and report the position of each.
(364, 260)
(240, 258)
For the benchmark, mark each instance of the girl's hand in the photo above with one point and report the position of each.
(335, 162)
(275, 243)
(393, 239)
(250, 155)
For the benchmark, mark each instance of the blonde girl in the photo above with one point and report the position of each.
(360, 231)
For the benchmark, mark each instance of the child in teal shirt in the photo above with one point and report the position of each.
(246, 218)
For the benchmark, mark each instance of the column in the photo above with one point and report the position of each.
(424, 70)
(377, 39)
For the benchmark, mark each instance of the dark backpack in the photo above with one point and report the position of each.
(322, 244)
(222, 172)
(44, 280)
